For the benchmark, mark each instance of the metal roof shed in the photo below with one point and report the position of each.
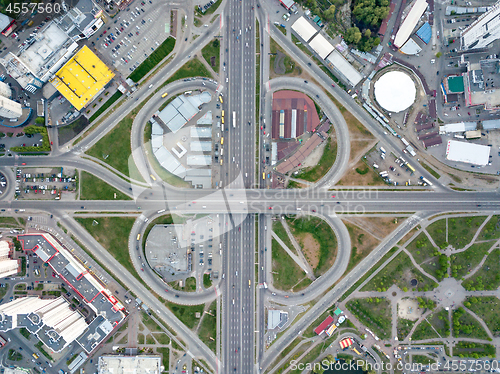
(304, 29)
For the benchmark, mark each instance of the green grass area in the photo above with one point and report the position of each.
(437, 231)
(466, 326)
(13, 355)
(281, 232)
(434, 173)
(427, 256)
(282, 29)
(488, 277)
(286, 273)
(474, 350)
(66, 133)
(424, 331)
(461, 230)
(151, 325)
(422, 359)
(207, 281)
(105, 106)
(150, 340)
(192, 68)
(404, 327)
(315, 173)
(115, 149)
(302, 46)
(3, 290)
(164, 358)
(112, 233)
(140, 338)
(186, 313)
(208, 327)
(368, 273)
(486, 307)
(24, 332)
(188, 285)
(154, 59)
(491, 230)
(212, 49)
(322, 233)
(162, 338)
(463, 262)
(41, 348)
(93, 188)
(374, 313)
(8, 221)
(289, 64)
(399, 271)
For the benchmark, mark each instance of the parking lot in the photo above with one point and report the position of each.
(135, 33)
(42, 183)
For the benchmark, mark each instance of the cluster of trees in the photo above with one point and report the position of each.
(424, 303)
(488, 349)
(444, 263)
(364, 41)
(370, 13)
(457, 326)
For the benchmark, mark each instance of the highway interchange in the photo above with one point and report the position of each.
(242, 304)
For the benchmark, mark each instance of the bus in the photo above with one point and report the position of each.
(222, 119)
(234, 119)
(138, 236)
(249, 283)
(263, 175)
(220, 99)
(222, 112)
(410, 167)
(222, 141)
(164, 95)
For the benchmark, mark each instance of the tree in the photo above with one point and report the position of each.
(40, 120)
(329, 14)
(216, 43)
(367, 33)
(353, 35)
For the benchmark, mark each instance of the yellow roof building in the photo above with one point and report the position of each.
(82, 78)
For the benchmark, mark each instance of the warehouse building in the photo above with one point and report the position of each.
(8, 267)
(470, 153)
(343, 69)
(82, 78)
(130, 364)
(410, 22)
(304, 29)
(321, 46)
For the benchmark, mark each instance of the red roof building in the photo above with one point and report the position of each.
(324, 325)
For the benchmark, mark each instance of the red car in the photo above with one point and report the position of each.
(333, 196)
(270, 207)
(104, 32)
(333, 85)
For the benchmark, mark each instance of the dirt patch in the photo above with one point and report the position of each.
(408, 236)
(313, 159)
(359, 148)
(408, 309)
(310, 248)
(353, 178)
(378, 226)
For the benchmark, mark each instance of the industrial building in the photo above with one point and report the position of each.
(130, 364)
(104, 311)
(81, 21)
(343, 68)
(483, 31)
(293, 114)
(10, 108)
(410, 22)
(470, 153)
(40, 58)
(82, 78)
(480, 83)
(304, 29)
(321, 46)
(395, 91)
(276, 319)
(457, 127)
(177, 113)
(8, 267)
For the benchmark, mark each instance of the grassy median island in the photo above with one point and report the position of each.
(114, 148)
(154, 59)
(93, 188)
(186, 313)
(212, 50)
(375, 313)
(105, 106)
(280, 63)
(208, 327)
(112, 233)
(280, 231)
(318, 242)
(315, 173)
(188, 285)
(192, 68)
(286, 273)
